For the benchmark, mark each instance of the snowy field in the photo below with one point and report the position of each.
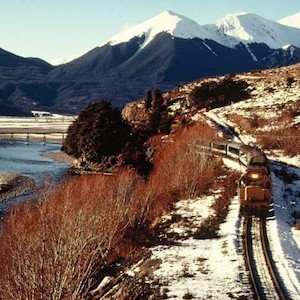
(214, 268)
(203, 269)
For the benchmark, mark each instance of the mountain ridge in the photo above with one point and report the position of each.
(292, 21)
(153, 57)
(251, 28)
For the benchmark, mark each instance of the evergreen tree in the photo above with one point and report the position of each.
(148, 99)
(157, 101)
(98, 131)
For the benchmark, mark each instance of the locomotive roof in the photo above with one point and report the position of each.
(257, 156)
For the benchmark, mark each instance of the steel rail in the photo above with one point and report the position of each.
(260, 289)
(250, 263)
(270, 262)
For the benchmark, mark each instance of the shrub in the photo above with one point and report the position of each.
(221, 205)
(290, 80)
(209, 229)
(55, 248)
(181, 166)
(217, 94)
(287, 139)
(98, 131)
(50, 249)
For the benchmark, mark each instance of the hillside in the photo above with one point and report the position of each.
(176, 233)
(162, 52)
(185, 267)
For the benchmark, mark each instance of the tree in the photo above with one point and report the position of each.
(98, 132)
(160, 121)
(157, 101)
(148, 99)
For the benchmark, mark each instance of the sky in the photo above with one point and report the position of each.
(57, 29)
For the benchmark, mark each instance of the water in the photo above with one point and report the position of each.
(26, 159)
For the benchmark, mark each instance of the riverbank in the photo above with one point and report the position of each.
(13, 185)
(58, 156)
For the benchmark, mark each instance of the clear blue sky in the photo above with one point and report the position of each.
(54, 29)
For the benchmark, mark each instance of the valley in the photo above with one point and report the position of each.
(123, 170)
(163, 52)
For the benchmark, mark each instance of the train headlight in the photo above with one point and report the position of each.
(254, 176)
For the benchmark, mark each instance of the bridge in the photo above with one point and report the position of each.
(33, 135)
(35, 129)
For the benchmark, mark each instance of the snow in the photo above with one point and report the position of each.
(205, 269)
(65, 60)
(292, 21)
(214, 268)
(283, 240)
(55, 122)
(251, 28)
(169, 22)
(229, 31)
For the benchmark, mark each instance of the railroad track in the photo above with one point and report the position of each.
(263, 274)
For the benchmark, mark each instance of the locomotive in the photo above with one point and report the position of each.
(254, 187)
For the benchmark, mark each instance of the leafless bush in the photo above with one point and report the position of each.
(52, 247)
(221, 205)
(183, 167)
(287, 139)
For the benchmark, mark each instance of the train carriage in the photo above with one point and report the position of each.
(255, 186)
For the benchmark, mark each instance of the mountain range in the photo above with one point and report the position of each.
(162, 52)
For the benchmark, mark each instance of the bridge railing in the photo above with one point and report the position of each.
(38, 135)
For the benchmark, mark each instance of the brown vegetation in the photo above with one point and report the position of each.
(59, 247)
(287, 139)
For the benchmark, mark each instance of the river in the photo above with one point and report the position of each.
(27, 159)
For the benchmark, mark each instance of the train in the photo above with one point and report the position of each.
(254, 187)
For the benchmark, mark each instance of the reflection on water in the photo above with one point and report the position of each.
(26, 159)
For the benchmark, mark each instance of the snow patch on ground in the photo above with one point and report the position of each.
(284, 239)
(211, 268)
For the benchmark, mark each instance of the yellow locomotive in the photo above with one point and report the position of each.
(254, 188)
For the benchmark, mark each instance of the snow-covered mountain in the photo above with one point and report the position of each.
(229, 31)
(162, 52)
(251, 28)
(167, 21)
(292, 21)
